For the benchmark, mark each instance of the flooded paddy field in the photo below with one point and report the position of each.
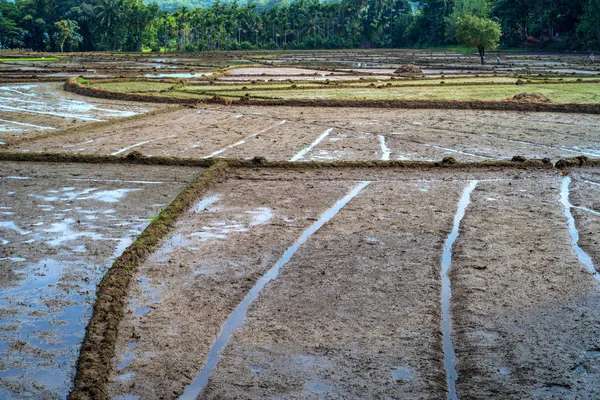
(61, 227)
(318, 134)
(313, 280)
(331, 284)
(281, 65)
(28, 110)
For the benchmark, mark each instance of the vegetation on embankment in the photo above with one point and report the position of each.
(316, 99)
(98, 348)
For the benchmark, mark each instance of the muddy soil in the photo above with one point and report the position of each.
(335, 65)
(356, 311)
(585, 197)
(185, 132)
(525, 308)
(61, 226)
(27, 110)
(355, 134)
(318, 330)
(265, 71)
(186, 290)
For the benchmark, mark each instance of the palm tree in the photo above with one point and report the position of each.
(108, 12)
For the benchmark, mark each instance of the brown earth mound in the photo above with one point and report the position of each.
(533, 97)
(408, 69)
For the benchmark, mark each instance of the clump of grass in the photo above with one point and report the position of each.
(83, 81)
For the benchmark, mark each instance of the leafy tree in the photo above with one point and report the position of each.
(67, 31)
(461, 8)
(108, 14)
(478, 32)
(590, 24)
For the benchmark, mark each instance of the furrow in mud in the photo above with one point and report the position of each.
(356, 312)
(525, 308)
(188, 288)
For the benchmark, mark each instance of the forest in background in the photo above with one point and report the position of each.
(167, 25)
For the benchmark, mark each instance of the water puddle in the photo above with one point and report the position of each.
(47, 302)
(385, 150)
(403, 374)
(243, 140)
(105, 196)
(184, 75)
(584, 258)
(256, 368)
(260, 216)
(448, 347)
(318, 140)
(205, 203)
(326, 155)
(593, 353)
(124, 149)
(238, 316)
(456, 151)
(55, 114)
(10, 225)
(588, 210)
(38, 127)
(44, 100)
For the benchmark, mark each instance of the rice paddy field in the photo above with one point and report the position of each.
(328, 225)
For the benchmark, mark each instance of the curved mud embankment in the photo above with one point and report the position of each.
(72, 85)
(98, 349)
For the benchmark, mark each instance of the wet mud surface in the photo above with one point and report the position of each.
(585, 197)
(301, 284)
(355, 310)
(525, 308)
(355, 313)
(61, 226)
(341, 134)
(27, 110)
(218, 251)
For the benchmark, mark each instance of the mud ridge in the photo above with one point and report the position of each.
(98, 348)
(72, 85)
(138, 158)
(575, 162)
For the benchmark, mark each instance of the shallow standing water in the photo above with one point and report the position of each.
(58, 237)
(448, 347)
(584, 258)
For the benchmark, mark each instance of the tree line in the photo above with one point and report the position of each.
(132, 25)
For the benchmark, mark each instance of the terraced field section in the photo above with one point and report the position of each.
(329, 273)
(61, 227)
(283, 284)
(325, 134)
(30, 110)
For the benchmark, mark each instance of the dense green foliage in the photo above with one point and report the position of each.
(478, 32)
(165, 25)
